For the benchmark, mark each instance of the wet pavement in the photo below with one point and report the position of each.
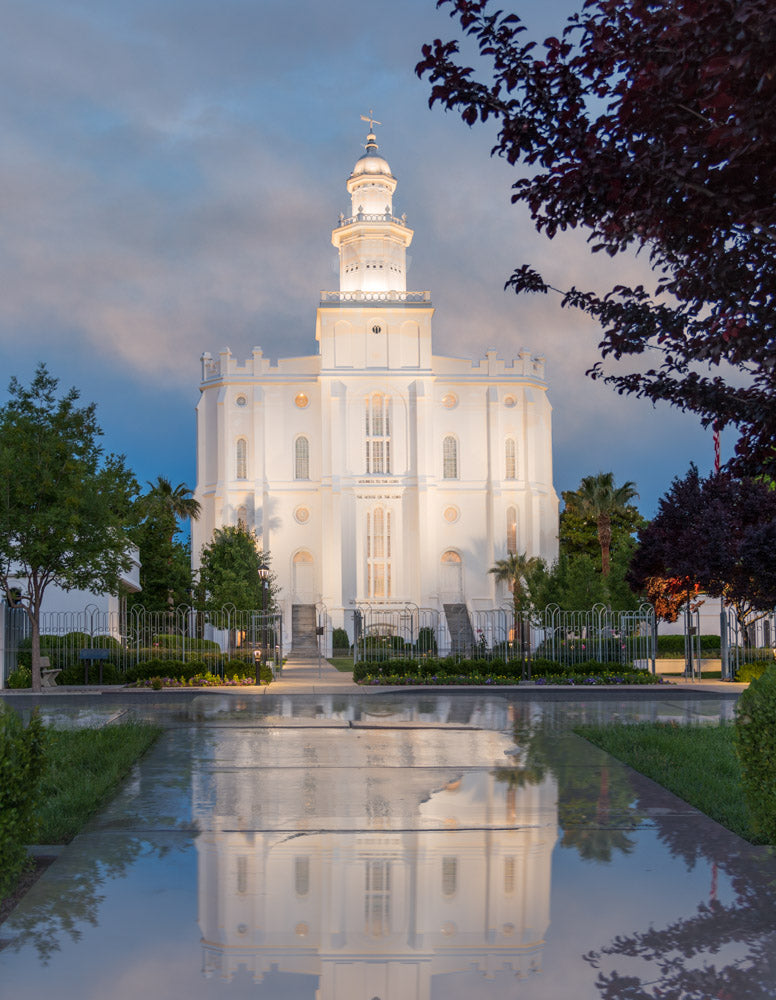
(337, 843)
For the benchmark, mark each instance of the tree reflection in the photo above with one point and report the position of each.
(723, 950)
(70, 901)
(588, 796)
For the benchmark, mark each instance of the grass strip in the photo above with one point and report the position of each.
(84, 768)
(698, 763)
(342, 663)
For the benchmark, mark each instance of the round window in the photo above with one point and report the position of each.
(301, 400)
(510, 401)
(451, 514)
(302, 515)
(241, 401)
(377, 328)
(449, 400)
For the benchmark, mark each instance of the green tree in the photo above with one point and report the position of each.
(165, 561)
(175, 503)
(517, 571)
(578, 532)
(600, 502)
(579, 583)
(64, 506)
(230, 571)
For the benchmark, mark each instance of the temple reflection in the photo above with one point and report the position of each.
(433, 871)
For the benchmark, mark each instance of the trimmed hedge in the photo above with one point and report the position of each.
(580, 679)
(496, 671)
(63, 650)
(163, 667)
(74, 674)
(755, 739)
(672, 646)
(175, 642)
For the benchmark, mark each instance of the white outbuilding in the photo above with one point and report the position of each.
(375, 472)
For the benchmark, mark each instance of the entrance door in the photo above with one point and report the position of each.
(304, 578)
(451, 578)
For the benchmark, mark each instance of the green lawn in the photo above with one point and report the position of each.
(696, 762)
(84, 768)
(342, 663)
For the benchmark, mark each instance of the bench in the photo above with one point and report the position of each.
(48, 676)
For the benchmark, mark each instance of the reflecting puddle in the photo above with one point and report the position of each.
(430, 860)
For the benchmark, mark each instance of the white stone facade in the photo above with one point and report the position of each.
(375, 471)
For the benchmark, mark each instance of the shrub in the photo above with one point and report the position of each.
(22, 762)
(74, 674)
(427, 640)
(63, 650)
(751, 671)
(339, 639)
(175, 642)
(672, 646)
(755, 738)
(511, 671)
(161, 667)
(20, 678)
(157, 683)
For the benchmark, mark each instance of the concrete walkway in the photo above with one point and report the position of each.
(311, 677)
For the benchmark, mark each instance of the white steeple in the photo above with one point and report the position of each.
(372, 243)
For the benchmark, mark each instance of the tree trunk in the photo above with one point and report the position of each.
(34, 617)
(605, 541)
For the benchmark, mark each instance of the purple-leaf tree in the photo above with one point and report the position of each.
(652, 127)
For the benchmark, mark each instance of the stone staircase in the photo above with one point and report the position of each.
(304, 645)
(460, 628)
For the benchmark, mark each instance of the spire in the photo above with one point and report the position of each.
(372, 243)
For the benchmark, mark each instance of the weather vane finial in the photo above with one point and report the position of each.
(371, 119)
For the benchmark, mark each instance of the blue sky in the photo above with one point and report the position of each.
(170, 174)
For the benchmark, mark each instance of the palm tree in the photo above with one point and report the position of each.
(516, 571)
(176, 502)
(599, 499)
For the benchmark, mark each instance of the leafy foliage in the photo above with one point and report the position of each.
(651, 127)
(756, 747)
(518, 571)
(22, 764)
(230, 568)
(339, 639)
(708, 534)
(165, 561)
(600, 504)
(64, 507)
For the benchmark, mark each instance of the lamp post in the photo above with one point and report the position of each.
(264, 577)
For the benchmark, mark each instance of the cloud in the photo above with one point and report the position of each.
(170, 173)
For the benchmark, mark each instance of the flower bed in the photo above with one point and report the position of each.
(198, 680)
(494, 672)
(582, 680)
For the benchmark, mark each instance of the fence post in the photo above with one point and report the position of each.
(724, 645)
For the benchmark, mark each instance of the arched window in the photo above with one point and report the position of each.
(512, 531)
(242, 874)
(509, 875)
(449, 458)
(378, 553)
(241, 464)
(302, 875)
(242, 516)
(378, 434)
(511, 459)
(301, 458)
(449, 876)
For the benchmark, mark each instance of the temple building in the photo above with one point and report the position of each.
(375, 472)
